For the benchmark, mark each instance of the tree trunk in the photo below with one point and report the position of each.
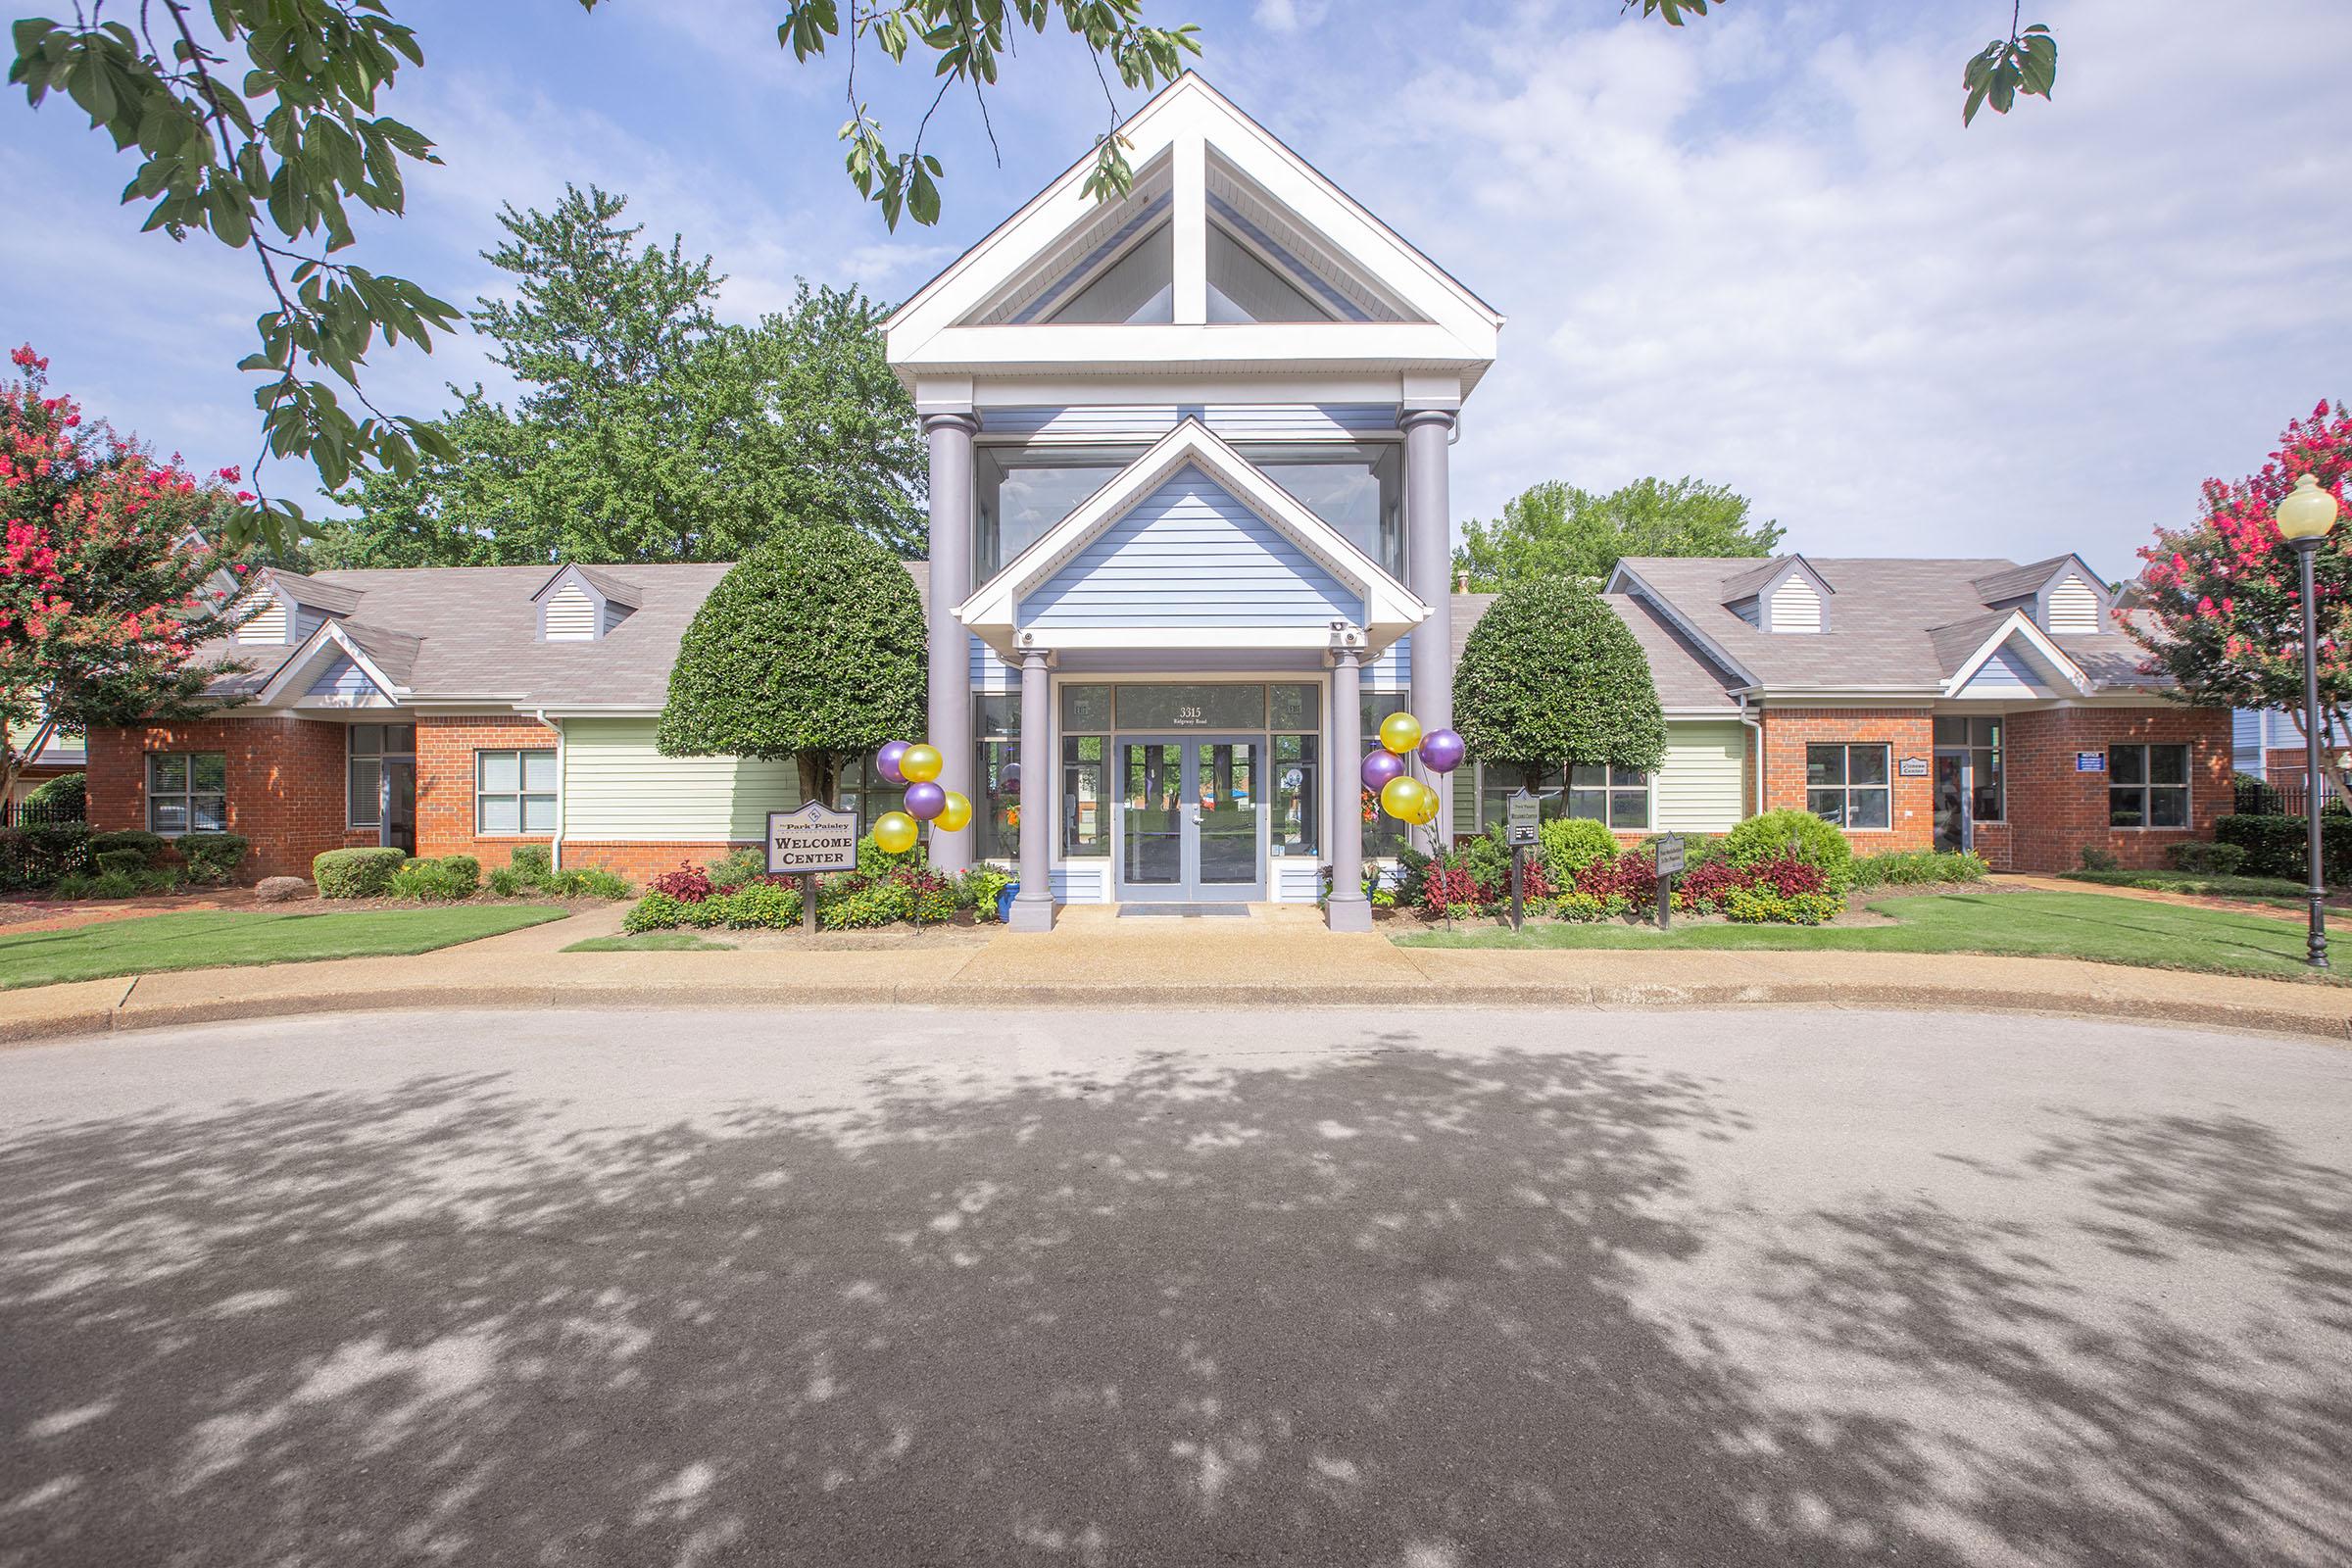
(820, 776)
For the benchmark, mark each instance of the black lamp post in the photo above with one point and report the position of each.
(2304, 518)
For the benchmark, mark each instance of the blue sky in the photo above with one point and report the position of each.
(1760, 250)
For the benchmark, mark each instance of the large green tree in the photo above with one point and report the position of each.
(1558, 530)
(256, 122)
(811, 647)
(1550, 677)
(646, 429)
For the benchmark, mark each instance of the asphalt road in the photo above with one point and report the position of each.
(1428, 1291)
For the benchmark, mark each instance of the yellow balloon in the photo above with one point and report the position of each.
(921, 763)
(1400, 797)
(955, 814)
(894, 832)
(1398, 732)
(1427, 811)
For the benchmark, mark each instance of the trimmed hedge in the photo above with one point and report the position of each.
(43, 854)
(442, 881)
(152, 846)
(212, 858)
(67, 795)
(1789, 831)
(362, 873)
(2206, 860)
(2274, 845)
(1910, 867)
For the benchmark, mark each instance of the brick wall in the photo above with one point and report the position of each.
(284, 777)
(1905, 731)
(638, 862)
(2055, 811)
(445, 747)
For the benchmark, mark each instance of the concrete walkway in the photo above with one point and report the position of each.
(1277, 957)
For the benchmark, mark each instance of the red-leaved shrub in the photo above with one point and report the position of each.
(1447, 885)
(1630, 876)
(688, 884)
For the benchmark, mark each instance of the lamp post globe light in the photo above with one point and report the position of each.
(2304, 518)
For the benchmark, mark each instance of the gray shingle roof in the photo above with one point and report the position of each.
(1686, 677)
(316, 591)
(1897, 622)
(2018, 581)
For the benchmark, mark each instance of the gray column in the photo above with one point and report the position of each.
(1347, 909)
(1033, 906)
(949, 717)
(1429, 573)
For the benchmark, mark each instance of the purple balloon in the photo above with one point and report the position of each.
(1379, 768)
(886, 761)
(925, 800)
(1008, 779)
(1442, 750)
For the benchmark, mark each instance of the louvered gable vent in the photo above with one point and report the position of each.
(577, 605)
(2074, 607)
(268, 623)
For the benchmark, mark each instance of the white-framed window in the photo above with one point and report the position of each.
(187, 792)
(2147, 786)
(1619, 797)
(1846, 783)
(514, 792)
(365, 750)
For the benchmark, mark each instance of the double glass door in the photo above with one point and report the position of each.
(1189, 810)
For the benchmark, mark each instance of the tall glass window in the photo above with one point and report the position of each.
(366, 749)
(1982, 738)
(1020, 492)
(1357, 488)
(997, 812)
(1384, 835)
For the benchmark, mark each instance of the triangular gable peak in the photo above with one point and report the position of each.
(281, 607)
(2016, 660)
(330, 670)
(1226, 229)
(578, 605)
(1003, 616)
(1783, 596)
(2063, 595)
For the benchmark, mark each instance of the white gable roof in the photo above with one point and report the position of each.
(1192, 148)
(993, 613)
(2037, 645)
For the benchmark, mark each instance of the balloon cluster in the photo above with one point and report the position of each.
(1388, 775)
(917, 767)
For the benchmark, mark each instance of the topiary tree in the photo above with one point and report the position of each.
(811, 647)
(1550, 677)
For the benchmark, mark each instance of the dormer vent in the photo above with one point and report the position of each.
(1783, 596)
(580, 605)
(267, 624)
(2073, 605)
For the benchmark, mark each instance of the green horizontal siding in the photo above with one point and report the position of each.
(1698, 787)
(616, 786)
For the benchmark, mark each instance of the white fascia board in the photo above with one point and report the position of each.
(2019, 624)
(1284, 346)
(1388, 602)
(1178, 385)
(305, 661)
(1189, 111)
(1625, 580)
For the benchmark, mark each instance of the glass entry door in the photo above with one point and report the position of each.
(1189, 819)
(400, 802)
(1951, 801)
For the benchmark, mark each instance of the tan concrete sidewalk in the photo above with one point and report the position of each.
(1277, 957)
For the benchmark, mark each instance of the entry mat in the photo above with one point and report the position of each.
(1185, 911)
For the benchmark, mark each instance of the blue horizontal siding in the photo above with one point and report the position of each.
(1393, 670)
(989, 673)
(1191, 554)
(2005, 675)
(1235, 422)
(343, 678)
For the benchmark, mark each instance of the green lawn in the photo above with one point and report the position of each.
(2205, 884)
(211, 939)
(2060, 925)
(651, 942)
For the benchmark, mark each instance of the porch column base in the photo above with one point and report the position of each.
(1348, 914)
(1030, 914)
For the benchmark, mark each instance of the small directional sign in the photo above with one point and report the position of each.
(1522, 818)
(1670, 855)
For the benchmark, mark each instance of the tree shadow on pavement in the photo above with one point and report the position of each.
(1377, 1309)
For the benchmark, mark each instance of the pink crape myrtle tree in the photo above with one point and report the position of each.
(2221, 601)
(107, 586)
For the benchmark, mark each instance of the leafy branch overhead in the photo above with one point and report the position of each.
(2026, 61)
(968, 42)
(255, 122)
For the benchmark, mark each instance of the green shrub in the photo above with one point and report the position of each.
(1488, 859)
(212, 858)
(705, 914)
(2096, 859)
(2274, 845)
(429, 881)
(532, 861)
(152, 846)
(586, 882)
(363, 873)
(2213, 859)
(1569, 844)
(930, 899)
(38, 854)
(741, 864)
(1763, 907)
(656, 911)
(978, 890)
(119, 862)
(1580, 908)
(509, 883)
(1811, 840)
(878, 903)
(117, 885)
(1904, 868)
(72, 885)
(761, 907)
(65, 797)
(873, 860)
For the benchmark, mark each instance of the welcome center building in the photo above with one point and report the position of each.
(1190, 524)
